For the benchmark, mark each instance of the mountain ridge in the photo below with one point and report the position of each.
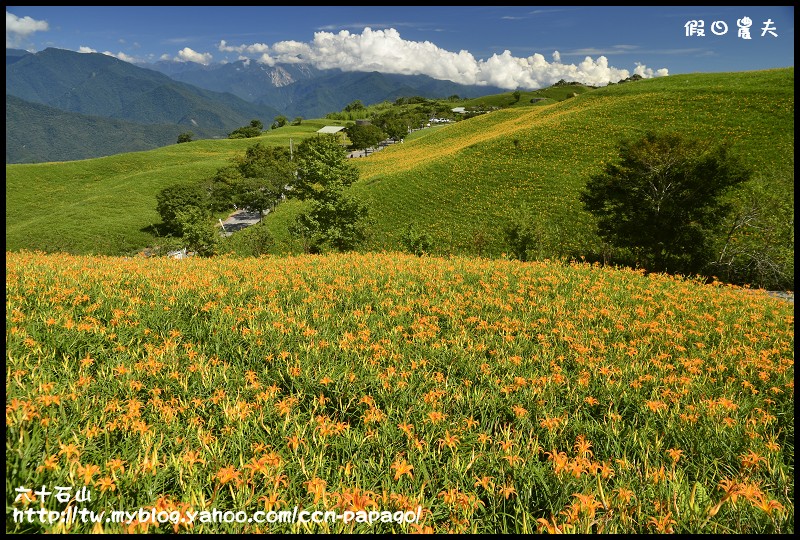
(98, 85)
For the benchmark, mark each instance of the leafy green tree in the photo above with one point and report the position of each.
(266, 172)
(252, 241)
(364, 137)
(186, 136)
(255, 129)
(662, 200)
(354, 106)
(279, 122)
(256, 180)
(245, 132)
(340, 221)
(297, 120)
(199, 233)
(758, 245)
(336, 219)
(224, 186)
(321, 164)
(393, 125)
(517, 95)
(171, 200)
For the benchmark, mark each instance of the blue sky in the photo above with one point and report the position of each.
(507, 46)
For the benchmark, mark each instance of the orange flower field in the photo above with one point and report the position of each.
(496, 396)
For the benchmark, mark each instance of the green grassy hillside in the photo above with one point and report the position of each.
(464, 179)
(102, 205)
(460, 182)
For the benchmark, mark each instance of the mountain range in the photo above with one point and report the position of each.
(62, 105)
(301, 90)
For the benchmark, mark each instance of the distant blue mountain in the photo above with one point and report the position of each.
(36, 133)
(100, 85)
(143, 108)
(301, 90)
(148, 105)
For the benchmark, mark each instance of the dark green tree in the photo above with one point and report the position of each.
(279, 122)
(266, 172)
(199, 233)
(364, 137)
(224, 188)
(662, 199)
(340, 222)
(252, 241)
(173, 199)
(321, 164)
(186, 136)
(354, 106)
(394, 126)
(245, 132)
(256, 180)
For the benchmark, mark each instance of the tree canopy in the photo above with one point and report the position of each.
(364, 136)
(171, 200)
(322, 167)
(335, 218)
(256, 180)
(662, 199)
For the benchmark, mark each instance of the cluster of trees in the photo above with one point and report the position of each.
(256, 127)
(412, 112)
(663, 200)
(247, 132)
(317, 172)
(634, 77)
(364, 136)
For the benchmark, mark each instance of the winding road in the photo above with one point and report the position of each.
(239, 220)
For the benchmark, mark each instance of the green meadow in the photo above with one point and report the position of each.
(459, 182)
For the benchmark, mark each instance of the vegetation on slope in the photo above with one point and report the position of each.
(498, 396)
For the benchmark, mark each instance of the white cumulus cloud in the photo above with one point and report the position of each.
(386, 51)
(188, 55)
(124, 57)
(255, 48)
(19, 28)
(84, 49)
(647, 72)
